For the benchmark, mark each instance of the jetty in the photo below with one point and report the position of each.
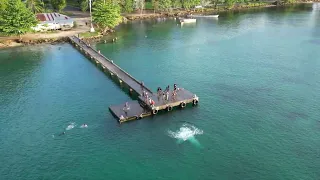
(140, 108)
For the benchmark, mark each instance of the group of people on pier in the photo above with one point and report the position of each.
(148, 99)
(166, 93)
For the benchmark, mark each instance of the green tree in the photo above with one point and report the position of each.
(165, 5)
(176, 4)
(155, 4)
(127, 6)
(187, 4)
(139, 4)
(230, 3)
(58, 5)
(36, 6)
(205, 3)
(215, 3)
(16, 19)
(3, 4)
(84, 5)
(106, 15)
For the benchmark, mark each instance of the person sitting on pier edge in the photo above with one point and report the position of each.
(99, 51)
(152, 103)
(175, 87)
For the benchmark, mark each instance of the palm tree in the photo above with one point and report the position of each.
(36, 6)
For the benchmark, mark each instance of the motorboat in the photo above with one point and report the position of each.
(189, 20)
(205, 16)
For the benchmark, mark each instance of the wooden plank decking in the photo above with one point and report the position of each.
(135, 112)
(140, 108)
(108, 64)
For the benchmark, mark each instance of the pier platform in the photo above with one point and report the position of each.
(135, 112)
(140, 108)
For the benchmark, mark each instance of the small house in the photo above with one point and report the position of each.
(53, 21)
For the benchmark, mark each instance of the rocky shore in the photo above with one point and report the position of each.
(22, 42)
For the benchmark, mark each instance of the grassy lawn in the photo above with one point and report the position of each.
(88, 34)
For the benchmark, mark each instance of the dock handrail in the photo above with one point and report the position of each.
(138, 82)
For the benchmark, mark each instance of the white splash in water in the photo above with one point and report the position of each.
(84, 126)
(71, 126)
(186, 132)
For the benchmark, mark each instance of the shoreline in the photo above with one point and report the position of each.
(62, 36)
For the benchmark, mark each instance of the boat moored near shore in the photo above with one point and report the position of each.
(203, 16)
(188, 20)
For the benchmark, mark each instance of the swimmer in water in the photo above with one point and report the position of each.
(84, 125)
(63, 133)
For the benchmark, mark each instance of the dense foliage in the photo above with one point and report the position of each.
(165, 5)
(139, 4)
(127, 6)
(36, 6)
(106, 14)
(84, 5)
(3, 4)
(16, 18)
(58, 5)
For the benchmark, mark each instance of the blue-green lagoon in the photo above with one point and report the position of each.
(257, 74)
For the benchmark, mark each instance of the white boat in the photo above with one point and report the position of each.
(205, 16)
(188, 20)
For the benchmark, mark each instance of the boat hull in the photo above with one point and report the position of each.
(201, 16)
(188, 20)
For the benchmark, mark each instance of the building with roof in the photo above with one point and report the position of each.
(53, 21)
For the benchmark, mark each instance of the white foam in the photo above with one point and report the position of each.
(83, 126)
(71, 126)
(185, 132)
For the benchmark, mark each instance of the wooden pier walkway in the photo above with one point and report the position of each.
(140, 108)
(113, 68)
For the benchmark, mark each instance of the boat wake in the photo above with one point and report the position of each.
(186, 132)
(71, 126)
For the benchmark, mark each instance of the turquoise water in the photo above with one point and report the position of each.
(256, 73)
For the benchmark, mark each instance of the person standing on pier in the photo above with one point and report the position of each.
(159, 91)
(147, 97)
(168, 88)
(142, 85)
(143, 93)
(126, 108)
